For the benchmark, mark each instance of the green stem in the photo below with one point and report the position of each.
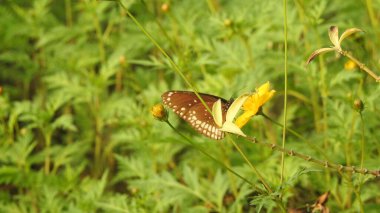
(285, 89)
(99, 35)
(213, 158)
(371, 14)
(362, 142)
(175, 66)
(47, 150)
(69, 15)
(227, 162)
(261, 178)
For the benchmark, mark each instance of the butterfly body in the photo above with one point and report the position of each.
(189, 107)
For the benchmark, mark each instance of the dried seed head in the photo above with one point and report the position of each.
(159, 112)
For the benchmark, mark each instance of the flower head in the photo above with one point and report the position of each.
(159, 112)
(350, 65)
(253, 103)
(249, 103)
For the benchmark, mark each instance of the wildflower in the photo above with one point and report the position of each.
(254, 103)
(165, 7)
(159, 112)
(249, 103)
(349, 65)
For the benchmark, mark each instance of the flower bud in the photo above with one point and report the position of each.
(227, 22)
(122, 61)
(165, 7)
(159, 112)
(358, 105)
(349, 65)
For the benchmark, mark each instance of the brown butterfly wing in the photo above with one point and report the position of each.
(188, 106)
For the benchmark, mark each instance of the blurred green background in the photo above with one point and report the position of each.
(78, 79)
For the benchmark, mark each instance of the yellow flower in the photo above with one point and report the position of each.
(249, 103)
(253, 103)
(349, 65)
(159, 112)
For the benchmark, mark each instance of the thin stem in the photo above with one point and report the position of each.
(297, 135)
(69, 15)
(280, 204)
(261, 178)
(213, 158)
(362, 141)
(175, 66)
(99, 35)
(357, 193)
(371, 14)
(285, 89)
(360, 65)
(227, 162)
(325, 164)
(47, 150)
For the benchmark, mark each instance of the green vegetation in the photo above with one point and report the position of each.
(78, 80)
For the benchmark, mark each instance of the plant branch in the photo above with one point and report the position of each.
(325, 164)
(360, 65)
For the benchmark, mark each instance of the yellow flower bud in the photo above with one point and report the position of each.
(159, 112)
(165, 7)
(227, 22)
(349, 65)
(122, 61)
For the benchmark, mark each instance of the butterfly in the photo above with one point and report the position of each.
(188, 106)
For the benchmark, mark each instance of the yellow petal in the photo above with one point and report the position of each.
(254, 102)
(263, 88)
(244, 118)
